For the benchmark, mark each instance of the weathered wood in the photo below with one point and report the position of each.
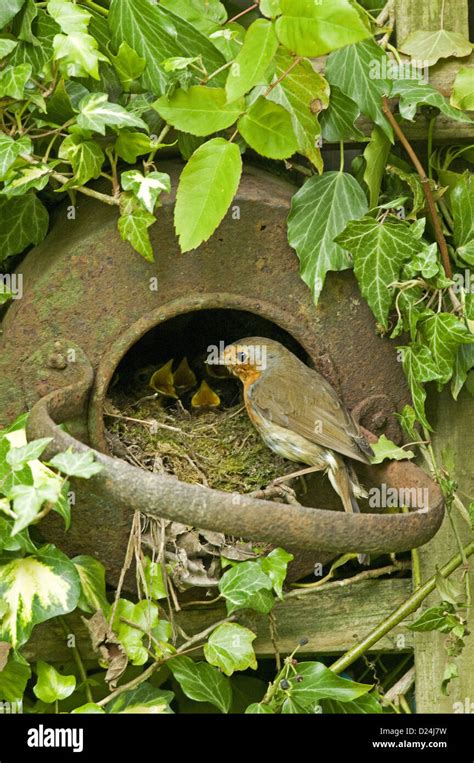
(411, 15)
(331, 620)
(454, 430)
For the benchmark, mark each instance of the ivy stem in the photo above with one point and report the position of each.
(78, 660)
(407, 608)
(105, 198)
(425, 182)
(341, 162)
(242, 13)
(95, 7)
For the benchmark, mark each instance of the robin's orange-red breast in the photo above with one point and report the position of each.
(298, 414)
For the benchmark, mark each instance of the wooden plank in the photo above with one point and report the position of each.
(332, 621)
(454, 429)
(411, 15)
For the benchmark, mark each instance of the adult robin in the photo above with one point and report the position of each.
(298, 414)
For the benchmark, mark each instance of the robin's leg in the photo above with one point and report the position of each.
(341, 481)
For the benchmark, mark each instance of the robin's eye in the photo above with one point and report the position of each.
(241, 357)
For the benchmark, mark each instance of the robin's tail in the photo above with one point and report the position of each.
(345, 483)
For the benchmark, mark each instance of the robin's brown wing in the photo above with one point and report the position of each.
(295, 397)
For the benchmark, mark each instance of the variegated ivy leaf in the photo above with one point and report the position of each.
(36, 588)
(147, 188)
(144, 699)
(6, 46)
(419, 367)
(319, 211)
(379, 250)
(96, 113)
(8, 11)
(10, 150)
(18, 456)
(51, 685)
(76, 464)
(92, 576)
(18, 182)
(85, 157)
(133, 225)
(13, 80)
(229, 648)
(385, 448)
(78, 54)
(443, 333)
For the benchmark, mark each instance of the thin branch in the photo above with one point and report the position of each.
(242, 13)
(103, 197)
(282, 76)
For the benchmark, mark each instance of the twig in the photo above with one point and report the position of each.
(282, 76)
(365, 575)
(103, 197)
(242, 13)
(77, 659)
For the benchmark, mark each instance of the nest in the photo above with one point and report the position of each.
(216, 448)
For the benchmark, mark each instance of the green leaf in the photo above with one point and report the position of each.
(268, 129)
(439, 618)
(215, 168)
(375, 155)
(51, 686)
(463, 363)
(145, 616)
(303, 92)
(36, 588)
(201, 682)
(23, 24)
(443, 333)
(13, 678)
(78, 54)
(89, 708)
(156, 587)
(144, 699)
(199, 110)
(6, 46)
(37, 55)
(419, 367)
(97, 113)
(337, 121)
(379, 250)
(8, 10)
(414, 93)
(27, 502)
(196, 11)
(155, 33)
(26, 178)
(10, 150)
(275, 565)
(311, 28)
(462, 96)
(133, 225)
(17, 457)
(362, 705)
(360, 72)
(256, 54)
(428, 47)
(131, 145)
(85, 157)
(92, 577)
(319, 211)
(385, 448)
(76, 464)
(462, 207)
(321, 683)
(257, 709)
(242, 587)
(270, 8)
(147, 188)
(13, 80)
(229, 648)
(70, 17)
(23, 221)
(128, 65)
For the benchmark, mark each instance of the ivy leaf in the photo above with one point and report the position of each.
(155, 33)
(229, 648)
(257, 709)
(78, 54)
(145, 616)
(71, 18)
(36, 588)
(156, 587)
(144, 699)
(246, 586)
(97, 113)
(17, 457)
(23, 221)
(385, 448)
(196, 11)
(464, 362)
(360, 72)
(462, 207)
(275, 565)
(379, 250)
(337, 121)
(414, 93)
(313, 29)
(133, 225)
(27, 502)
(268, 129)
(85, 157)
(443, 333)
(255, 56)
(375, 155)
(13, 80)
(201, 682)
(13, 678)
(462, 96)
(22, 26)
(130, 145)
(92, 577)
(439, 618)
(321, 683)
(8, 10)
(51, 686)
(419, 367)
(319, 211)
(147, 188)
(6, 46)
(362, 705)
(10, 150)
(303, 92)
(128, 65)
(429, 47)
(215, 168)
(76, 464)
(200, 110)
(89, 708)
